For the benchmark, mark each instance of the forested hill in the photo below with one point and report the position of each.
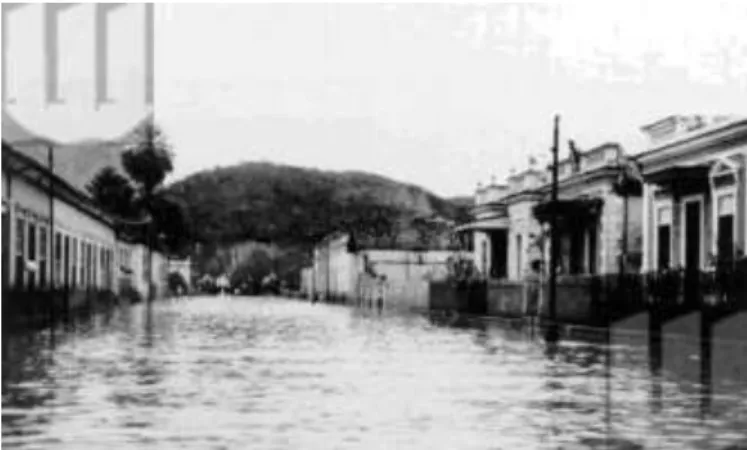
(268, 202)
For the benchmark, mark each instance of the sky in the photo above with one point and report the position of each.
(439, 95)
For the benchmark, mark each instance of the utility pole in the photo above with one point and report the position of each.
(150, 239)
(50, 239)
(552, 333)
(51, 255)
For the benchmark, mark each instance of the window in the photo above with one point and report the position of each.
(31, 254)
(75, 275)
(484, 256)
(664, 237)
(102, 267)
(20, 251)
(57, 258)
(88, 266)
(67, 261)
(519, 250)
(725, 209)
(94, 265)
(43, 253)
(84, 264)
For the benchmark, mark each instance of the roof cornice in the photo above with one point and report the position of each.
(734, 131)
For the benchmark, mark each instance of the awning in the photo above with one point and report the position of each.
(500, 223)
(679, 174)
(577, 208)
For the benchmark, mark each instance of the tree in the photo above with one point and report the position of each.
(171, 221)
(148, 160)
(112, 192)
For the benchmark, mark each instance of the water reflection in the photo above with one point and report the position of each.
(221, 373)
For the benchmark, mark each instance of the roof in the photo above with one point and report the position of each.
(32, 170)
(495, 223)
(576, 207)
(713, 129)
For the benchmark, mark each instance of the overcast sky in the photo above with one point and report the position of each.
(438, 95)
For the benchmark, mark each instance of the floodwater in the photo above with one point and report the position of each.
(266, 373)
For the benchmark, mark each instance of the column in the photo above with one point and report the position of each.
(646, 228)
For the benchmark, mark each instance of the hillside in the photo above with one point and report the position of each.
(77, 162)
(290, 205)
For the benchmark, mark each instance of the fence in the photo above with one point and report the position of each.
(599, 299)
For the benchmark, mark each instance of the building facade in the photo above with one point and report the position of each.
(341, 266)
(694, 203)
(597, 222)
(53, 237)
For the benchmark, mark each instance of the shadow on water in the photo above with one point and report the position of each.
(696, 370)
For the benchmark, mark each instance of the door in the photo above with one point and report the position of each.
(593, 249)
(692, 236)
(499, 257)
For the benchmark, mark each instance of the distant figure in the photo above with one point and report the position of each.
(533, 279)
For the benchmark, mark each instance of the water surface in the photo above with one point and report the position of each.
(266, 373)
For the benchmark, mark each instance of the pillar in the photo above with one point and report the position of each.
(646, 228)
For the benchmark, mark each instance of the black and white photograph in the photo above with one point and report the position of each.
(502, 225)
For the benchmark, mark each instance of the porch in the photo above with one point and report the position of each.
(490, 245)
(578, 222)
(697, 215)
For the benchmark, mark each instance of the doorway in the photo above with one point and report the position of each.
(498, 253)
(693, 242)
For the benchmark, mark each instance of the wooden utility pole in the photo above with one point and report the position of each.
(50, 254)
(552, 333)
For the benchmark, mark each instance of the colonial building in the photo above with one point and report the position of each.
(342, 263)
(53, 236)
(694, 204)
(596, 220)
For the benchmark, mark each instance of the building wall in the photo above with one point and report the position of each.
(334, 268)
(651, 202)
(405, 265)
(307, 281)
(92, 268)
(522, 226)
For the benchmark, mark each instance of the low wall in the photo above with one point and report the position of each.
(510, 298)
(444, 296)
(399, 294)
(575, 300)
(506, 298)
(467, 297)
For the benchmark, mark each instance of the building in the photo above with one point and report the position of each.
(53, 236)
(347, 269)
(694, 203)
(335, 268)
(511, 221)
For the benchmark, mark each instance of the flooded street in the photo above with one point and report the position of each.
(235, 373)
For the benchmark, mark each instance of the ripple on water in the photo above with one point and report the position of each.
(272, 373)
